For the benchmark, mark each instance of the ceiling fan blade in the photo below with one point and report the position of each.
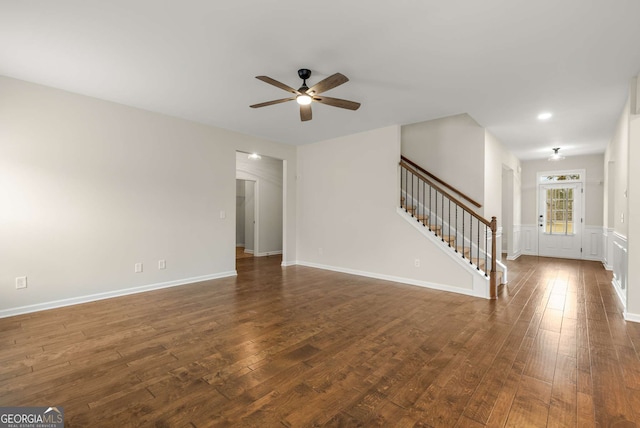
(280, 85)
(270, 103)
(328, 83)
(305, 113)
(337, 102)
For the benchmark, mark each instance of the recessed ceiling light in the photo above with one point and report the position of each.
(545, 116)
(255, 156)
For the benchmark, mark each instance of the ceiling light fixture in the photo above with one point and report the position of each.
(544, 116)
(303, 100)
(555, 156)
(255, 156)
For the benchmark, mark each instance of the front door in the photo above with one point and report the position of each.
(560, 220)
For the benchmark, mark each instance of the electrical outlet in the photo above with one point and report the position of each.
(416, 262)
(21, 282)
(320, 251)
(162, 264)
(137, 268)
(223, 214)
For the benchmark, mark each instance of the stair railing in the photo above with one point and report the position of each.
(437, 180)
(450, 219)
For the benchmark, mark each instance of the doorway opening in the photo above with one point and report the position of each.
(259, 205)
(245, 218)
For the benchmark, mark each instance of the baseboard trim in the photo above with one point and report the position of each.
(109, 295)
(402, 280)
(616, 287)
(512, 257)
(248, 251)
(288, 263)
(632, 317)
(268, 253)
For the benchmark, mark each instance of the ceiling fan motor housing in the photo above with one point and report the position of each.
(304, 73)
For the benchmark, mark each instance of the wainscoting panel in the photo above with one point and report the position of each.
(620, 261)
(592, 248)
(515, 247)
(529, 233)
(607, 248)
(592, 241)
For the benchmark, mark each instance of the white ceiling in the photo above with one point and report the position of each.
(501, 61)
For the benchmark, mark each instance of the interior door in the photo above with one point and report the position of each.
(560, 220)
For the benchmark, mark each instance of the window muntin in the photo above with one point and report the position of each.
(559, 219)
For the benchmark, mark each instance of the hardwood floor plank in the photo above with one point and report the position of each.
(563, 407)
(531, 404)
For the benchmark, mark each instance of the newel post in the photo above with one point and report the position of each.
(493, 278)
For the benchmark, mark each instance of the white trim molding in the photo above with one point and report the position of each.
(515, 248)
(631, 317)
(268, 253)
(108, 295)
(409, 281)
(592, 243)
(620, 264)
(529, 239)
(607, 247)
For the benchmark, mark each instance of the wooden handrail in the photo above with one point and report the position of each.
(447, 194)
(428, 174)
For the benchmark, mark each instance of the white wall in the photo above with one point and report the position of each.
(622, 235)
(594, 186)
(617, 156)
(593, 247)
(89, 187)
(347, 219)
(492, 178)
(267, 173)
(452, 149)
(615, 202)
(633, 220)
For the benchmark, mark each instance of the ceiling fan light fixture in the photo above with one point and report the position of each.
(555, 156)
(303, 99)
(306, 95)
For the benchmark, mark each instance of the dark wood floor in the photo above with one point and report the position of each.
(298, 346)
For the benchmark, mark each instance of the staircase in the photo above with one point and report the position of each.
(433, 204)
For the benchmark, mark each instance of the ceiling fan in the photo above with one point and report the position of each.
(305, 95)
